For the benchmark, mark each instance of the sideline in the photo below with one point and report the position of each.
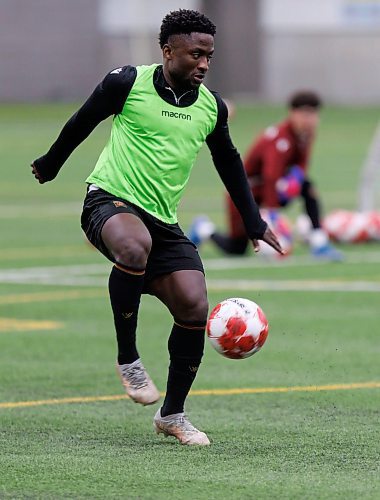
(96, 275)
(97, 288)
(25, 298)
(27, 325)
(204, 392)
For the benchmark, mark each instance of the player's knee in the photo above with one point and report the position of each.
(194, 307)
(133, 253)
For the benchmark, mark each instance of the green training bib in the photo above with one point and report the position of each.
(153, 146)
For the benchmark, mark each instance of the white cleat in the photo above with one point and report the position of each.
(137, 383)
(178, 425)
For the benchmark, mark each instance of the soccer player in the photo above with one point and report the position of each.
(277, 169)
(162, 116)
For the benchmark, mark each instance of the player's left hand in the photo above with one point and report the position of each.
(270, 238)
(290, 186)
(36, 174)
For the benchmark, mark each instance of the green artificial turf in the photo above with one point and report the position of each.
(270, 444)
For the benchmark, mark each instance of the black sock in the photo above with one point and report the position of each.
(235, 246)
(125, 287)
(312, 207)
(185, 344)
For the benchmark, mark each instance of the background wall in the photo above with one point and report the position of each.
(130, 28)
(331, 45)
(48, 49)
(59, 49)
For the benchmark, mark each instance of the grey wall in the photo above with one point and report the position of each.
(49, 49)
(343, 67)
(236, 63)
(59, 50)
(119, 50)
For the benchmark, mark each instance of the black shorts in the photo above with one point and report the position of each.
(171, 249)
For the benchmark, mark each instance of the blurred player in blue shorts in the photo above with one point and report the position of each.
(277, 169)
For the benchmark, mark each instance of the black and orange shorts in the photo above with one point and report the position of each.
(171, 249)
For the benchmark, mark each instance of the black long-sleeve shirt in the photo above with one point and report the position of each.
(108, 99)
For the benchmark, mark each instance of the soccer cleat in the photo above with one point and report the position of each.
(137, 383)
(328, 253)
(201, 229)
(178, 425)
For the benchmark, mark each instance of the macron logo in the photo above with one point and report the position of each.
(175, 114)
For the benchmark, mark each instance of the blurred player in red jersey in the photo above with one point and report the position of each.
(277, 168)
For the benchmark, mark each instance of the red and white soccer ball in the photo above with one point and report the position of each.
(237, 328)
(282, 228)
(347, 227)
(353, 227)
(374, 225)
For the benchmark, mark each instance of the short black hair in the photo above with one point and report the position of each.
(305, 98)
(184, 21)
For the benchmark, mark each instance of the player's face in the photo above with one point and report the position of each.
(187, 59)
(305, 120)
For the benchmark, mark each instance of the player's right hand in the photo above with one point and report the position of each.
(36, 174)
(270, 238)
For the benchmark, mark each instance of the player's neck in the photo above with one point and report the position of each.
(176, 87)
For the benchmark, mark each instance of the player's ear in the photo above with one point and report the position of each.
(167, 51)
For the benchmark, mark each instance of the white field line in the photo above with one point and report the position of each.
(226, 263)
(79, 275)
(40, 211)
(294, 285)
(41, 253)
(96, 275)
(217, 264)
(223, 263)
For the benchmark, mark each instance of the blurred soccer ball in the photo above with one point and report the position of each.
(303, 228)
(237, 328)
(282, 228)
(347, 227)
(374, 225)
